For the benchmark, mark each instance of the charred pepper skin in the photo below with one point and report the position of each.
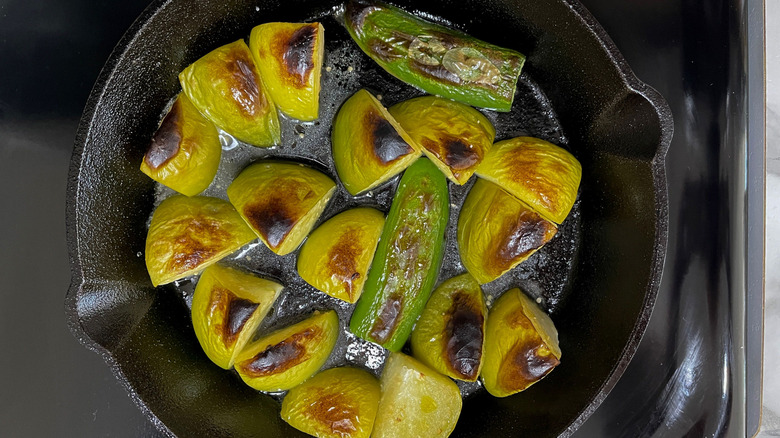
(408, 258)
(434, 58)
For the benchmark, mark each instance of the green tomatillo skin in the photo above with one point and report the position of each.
(434, 58)
(407, 260)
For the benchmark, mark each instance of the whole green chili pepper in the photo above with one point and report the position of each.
(407, 260)
(434, 58)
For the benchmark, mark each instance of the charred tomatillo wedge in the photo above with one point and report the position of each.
(416, 401)
(336, 256)
(434, 58)
(185, 151)
(496, 231)
(227, 306)
(336, 403)
(187, 234)
(539, 173)
(454, 136)
(226, 87)
(369, 146)
(407, 259)
(289, 57)
(280, 201)
(449, 336)
(521, 345)
(286, 358)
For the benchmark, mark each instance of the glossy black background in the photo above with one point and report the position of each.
(688, 377)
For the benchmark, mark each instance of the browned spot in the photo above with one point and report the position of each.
(343, 258)
(436, 72)
(297, 53)
(335, 411)
(460, 155)
(275, 214)
(271, 218)
(236, 311)
(388, 319)
(356, 13)
(454, 152)
(463, 336)
(385, 50)
(167, 139)
(388, 144)
(278, 358)
(524, 363)
(200, 241)
(519, 236)
(240, 77)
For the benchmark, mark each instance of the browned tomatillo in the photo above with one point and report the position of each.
(521, 345)
(280, 201)
(454, 136)
(369, 146)
(185, 151)
(187, 234)
(225, 86)
(539, 173)
(336, 256)
(336, 403)
(449, 336)
(289, 57)
(287, 357)
(496, 231)
(227, 306)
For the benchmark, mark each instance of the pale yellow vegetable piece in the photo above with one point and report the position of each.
(416, 401)
(226, 87)
(450, 334)
(369, 146)
(453, 135)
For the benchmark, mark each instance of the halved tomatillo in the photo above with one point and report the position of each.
(280, 201)
(521, 345)
(336, 256)
(369, 146)
(450, 334)
(185, 151)
(289, 57)
(497, 231)
(336, 403)
(226, 87)
(187, 234)
(227, 306)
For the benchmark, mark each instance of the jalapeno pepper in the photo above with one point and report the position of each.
(407, 260)
(434, 58)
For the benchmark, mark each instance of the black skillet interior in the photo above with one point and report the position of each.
(589, 101)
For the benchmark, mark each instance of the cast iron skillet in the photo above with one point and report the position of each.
(576, 90)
